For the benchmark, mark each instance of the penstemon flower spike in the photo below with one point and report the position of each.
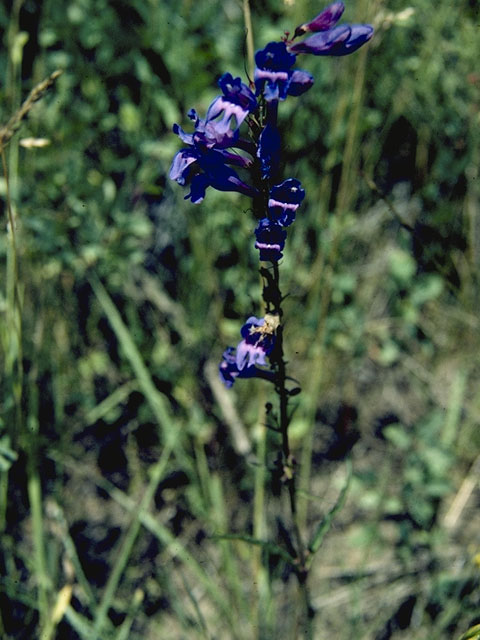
(208, 159)
(216, 155)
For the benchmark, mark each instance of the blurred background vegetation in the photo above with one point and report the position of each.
(121, 456)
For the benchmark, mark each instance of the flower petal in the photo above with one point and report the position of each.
(300, 82)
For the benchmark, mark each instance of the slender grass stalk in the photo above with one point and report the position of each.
(230, 569)
(247, 17)
(262, 596)
(124, 631)
(79, 624)
(176, 548)
(196, 607)
(72, 554)
(62, 601)
(13, 333)
(110, 402)
(36, 502)
(13, 336)
(453, 416)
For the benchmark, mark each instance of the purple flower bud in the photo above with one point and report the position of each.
(270, 240)
(325, 20)
(323, 42)
(268, 150)
(339, 41)
(285, 198)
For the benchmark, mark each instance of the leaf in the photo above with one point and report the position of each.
(326, 522)
(294, 392)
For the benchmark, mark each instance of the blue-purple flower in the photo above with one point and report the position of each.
(285, 198)
(206, 162)
(258, 341)
(270, 240)
(206, 168)
(274, 77)
(229, 370)
(237, 102)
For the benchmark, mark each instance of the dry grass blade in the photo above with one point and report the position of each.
(38, 91)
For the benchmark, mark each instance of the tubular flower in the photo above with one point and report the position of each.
(206, 160)
(285, 198)
(258, 341)
(237, 101)
(270, 240)
(274, 76)
(229, 371)
(202, 168)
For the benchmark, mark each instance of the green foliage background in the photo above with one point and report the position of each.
(120, 455)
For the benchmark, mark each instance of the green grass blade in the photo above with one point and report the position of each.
(128, 542)
(269, 547)
(154, 398)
